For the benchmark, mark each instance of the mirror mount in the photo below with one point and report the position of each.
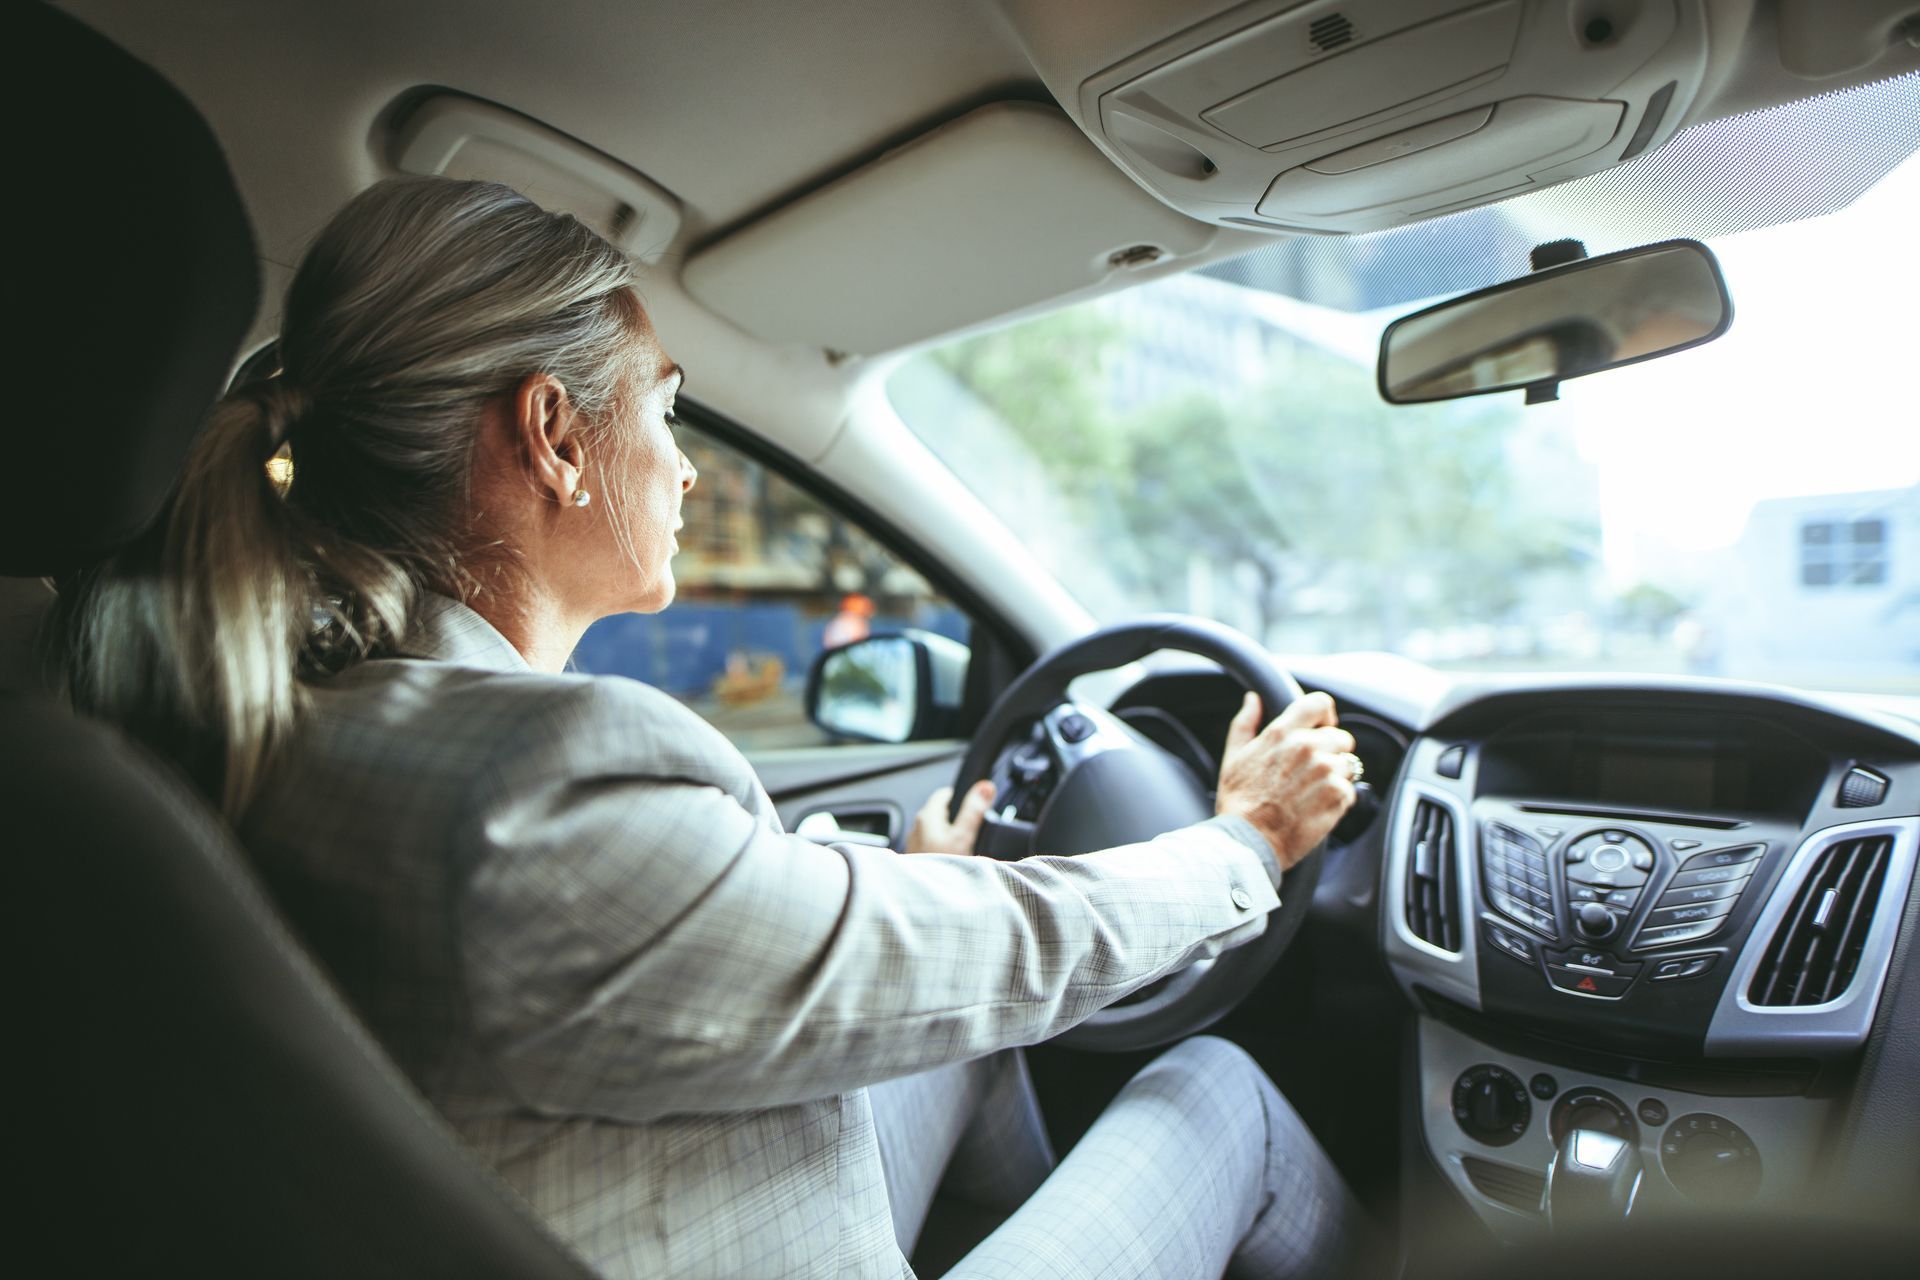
(1572, 316)
(1545, 257)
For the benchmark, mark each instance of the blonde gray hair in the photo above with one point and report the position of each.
(419, 302)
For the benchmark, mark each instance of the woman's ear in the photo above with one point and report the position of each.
(545, 426)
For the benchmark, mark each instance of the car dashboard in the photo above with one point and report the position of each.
(1663, 909)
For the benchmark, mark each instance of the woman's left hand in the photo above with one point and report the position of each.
(932, 833)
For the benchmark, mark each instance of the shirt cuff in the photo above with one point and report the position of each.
(1246, 833)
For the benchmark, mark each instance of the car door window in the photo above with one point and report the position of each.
(769, 576)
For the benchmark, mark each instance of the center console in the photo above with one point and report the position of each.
(1656, 919)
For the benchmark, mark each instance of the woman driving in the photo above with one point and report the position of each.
(697, 1045)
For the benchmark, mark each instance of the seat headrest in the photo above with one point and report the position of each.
(137, 283)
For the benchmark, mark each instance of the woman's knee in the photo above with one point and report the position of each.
(1208, 1073)
(1207, 1058)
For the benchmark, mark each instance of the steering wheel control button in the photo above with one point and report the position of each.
(1491, 1105)
(1652, 1112)
(1506, 941)
(1710, 1159)
(1241, 898)
(1543, 1086)
(1075, 727)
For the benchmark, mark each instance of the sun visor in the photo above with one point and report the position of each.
(1364, 114)
(1000, 210)
(452, 135)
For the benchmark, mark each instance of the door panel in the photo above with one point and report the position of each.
(857, 781)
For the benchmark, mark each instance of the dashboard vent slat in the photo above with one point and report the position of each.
(1520, 1189)
(1433, 904)
(1812, 957)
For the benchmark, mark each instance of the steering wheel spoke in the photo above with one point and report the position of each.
(1009, 839)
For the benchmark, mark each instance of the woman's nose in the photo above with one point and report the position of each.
(687, 473)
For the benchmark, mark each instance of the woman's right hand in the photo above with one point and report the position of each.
(1288, 780)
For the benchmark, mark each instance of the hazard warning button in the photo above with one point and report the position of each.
(1583, 981)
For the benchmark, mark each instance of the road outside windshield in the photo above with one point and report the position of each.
(1747, 509)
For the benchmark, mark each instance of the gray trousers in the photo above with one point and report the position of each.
(1198, 1168)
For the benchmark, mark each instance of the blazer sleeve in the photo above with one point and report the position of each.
(636, 942)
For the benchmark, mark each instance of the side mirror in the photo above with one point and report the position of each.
(1560, 323)
(900, 687)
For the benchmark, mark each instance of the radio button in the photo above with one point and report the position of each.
(1724, 857)
(1674, 897)
(1665, 934)
(1712, 875)
(1687, 913)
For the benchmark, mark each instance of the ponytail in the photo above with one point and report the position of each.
(421, 300)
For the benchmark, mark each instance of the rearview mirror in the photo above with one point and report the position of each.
(889, 688)
(1564, 322)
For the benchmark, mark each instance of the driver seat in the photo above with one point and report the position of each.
(200, 1099)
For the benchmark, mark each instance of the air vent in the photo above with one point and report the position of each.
(1433, 903)
(1330, 32)
(1515, 1188)
(1812, 957)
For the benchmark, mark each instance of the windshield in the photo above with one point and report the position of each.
(1750, 508)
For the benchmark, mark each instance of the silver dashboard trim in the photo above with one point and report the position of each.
(1740, 1027)
(1452, 974)
(1786, 1130)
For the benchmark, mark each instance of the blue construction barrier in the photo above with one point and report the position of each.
(685, 649)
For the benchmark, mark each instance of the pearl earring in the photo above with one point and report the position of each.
(580, 496)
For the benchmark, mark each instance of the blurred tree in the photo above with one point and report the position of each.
(1397, 518)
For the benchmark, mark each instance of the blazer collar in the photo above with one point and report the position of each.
(445, 630)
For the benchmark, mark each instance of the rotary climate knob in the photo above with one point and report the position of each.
(1711, 1159)
(1491, 1105)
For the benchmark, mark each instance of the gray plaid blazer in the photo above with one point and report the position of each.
(567, 907)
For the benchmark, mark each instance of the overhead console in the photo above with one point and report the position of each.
(1355, 115)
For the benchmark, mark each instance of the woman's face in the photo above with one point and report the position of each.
(639, 510)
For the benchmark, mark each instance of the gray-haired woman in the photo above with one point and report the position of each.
(566, 904)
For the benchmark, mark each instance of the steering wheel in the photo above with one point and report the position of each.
(1111, 786)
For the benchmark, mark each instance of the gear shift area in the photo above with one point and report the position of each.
(1592, 1179)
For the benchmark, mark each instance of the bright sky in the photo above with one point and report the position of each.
(1811, 391)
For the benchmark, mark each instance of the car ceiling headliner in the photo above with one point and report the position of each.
(734, 106)
(293, 86)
